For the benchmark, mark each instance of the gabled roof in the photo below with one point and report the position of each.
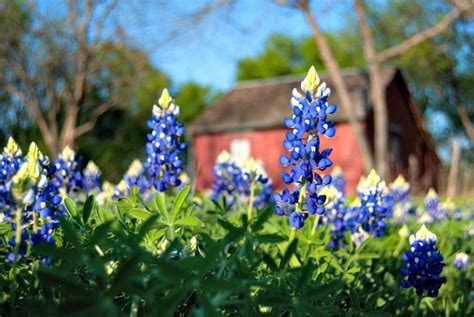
(258, 104)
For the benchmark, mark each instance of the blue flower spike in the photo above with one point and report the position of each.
(423, 264)
(237, 180)
(306, 159)
(165, 146)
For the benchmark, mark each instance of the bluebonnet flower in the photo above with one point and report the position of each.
(423, 264)
(335, 215)
(433, 210)
(105, 194)
(338, 180)
(38, 213)
(92, 177)
(10, 161)
(400, 193)
(68, 174)
(235, 180)
(461, 260)
(309, 121)
(374, 205)
(450, 208)
(121, 189)
(164, 147)
(135, 176)
(359, 236)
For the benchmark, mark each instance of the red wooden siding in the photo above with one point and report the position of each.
(267, 145)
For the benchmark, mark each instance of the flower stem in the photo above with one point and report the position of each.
(417, 306)
(301, 197)
(15, 260)
(292, 234)
(251, 201)
(315, 224)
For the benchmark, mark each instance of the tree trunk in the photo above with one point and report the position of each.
(341, 88)
(453, 170)
(462, 111)
(377, 93)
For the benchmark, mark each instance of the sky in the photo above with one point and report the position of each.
(207, 51)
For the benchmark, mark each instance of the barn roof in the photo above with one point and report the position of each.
(264, 103)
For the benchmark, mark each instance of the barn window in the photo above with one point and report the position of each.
(240, 149)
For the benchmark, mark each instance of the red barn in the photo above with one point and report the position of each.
(247, 121)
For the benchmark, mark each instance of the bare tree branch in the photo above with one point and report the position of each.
(341, 87)
(417, 38)
(377, 93)
(90, 124)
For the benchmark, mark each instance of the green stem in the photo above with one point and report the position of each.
(417, 306)
(15, 261)
(292, 235)
(301, 197)
(251, 201)
(134, 308)
(315, 224)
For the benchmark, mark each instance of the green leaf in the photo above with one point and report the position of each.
(125, 271)
(139, 213)
(355, 299)
(147, 226)
(258, 224)
(70, 206)
(160, 204)
(70, 232)
(100, 232)
(178, 202)
(270, 238)
(377, 313)
(4, 228)
(289, 253)
(87, 210)
(188, 221)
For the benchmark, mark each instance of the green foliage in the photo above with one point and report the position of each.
(168, 256)
(283, 55)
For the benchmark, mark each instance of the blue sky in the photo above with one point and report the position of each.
(207, 52)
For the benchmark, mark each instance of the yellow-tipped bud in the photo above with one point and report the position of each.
(12, 148)
(311, 81)
(165, 99)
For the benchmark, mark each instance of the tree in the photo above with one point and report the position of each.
(341, 87)
(440, 69)
(59, 60)
(374, 61)
(284, 55)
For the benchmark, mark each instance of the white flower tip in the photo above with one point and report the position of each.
(423, 234)
(311, 81)
(135, 169)
(165, 99)
(68, 154)
(12, 148)
(92, 168)
(432, 193)
(404, 232)
(223, 157)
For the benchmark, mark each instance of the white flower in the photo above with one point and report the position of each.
(423, 234)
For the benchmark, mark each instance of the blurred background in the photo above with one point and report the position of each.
(86, 73)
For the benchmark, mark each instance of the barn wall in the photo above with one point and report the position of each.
(411, 140)
(267, 145)
(404, 132)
